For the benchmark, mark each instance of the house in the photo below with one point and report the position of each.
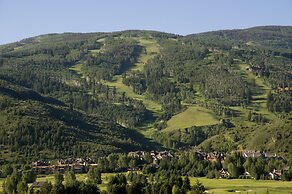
(246, 175)
(211, 157)
(253, 154)
(41, 163)
(275, 175)
(200, 155)
(259, 154)
(78, 168)
(164, 154)
(156, 156)
(224, 174)
(137, 154)
(38, 185)
(65, 161)
(258, 70)
(134, 169)
(214, 156)
(284, 89)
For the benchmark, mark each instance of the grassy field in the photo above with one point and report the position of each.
(50, 178)
(215, 186)
(80, 177)
(260, 92)
(77, 68)
(244, 186)
(193, 115)
(1, 183)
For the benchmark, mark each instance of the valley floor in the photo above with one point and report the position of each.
(244, 186)
(215, 186)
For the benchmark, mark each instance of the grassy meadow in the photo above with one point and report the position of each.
(215, 186)
(193, 115)
(1, 183)
(77, 68)
(244, 186)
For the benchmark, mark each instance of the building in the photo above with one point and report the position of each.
(275, 175)
(253, 154)
(38, 185)
(224, 174)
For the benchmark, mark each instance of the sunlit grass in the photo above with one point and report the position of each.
(149, 104)
(244, 186)
(192, 116)
(1, 184)
(215, 186)
(260, 92)
(152, 49)
(77, 68)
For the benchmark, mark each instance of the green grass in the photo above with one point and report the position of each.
(96, 51)
(1, 183)
(260, 92)
(50, 178)
(193, 115)
(215, 186)
(80, 177)
(43, 178)
(244, 186)
(152, 49)
(101, 40)
(77, 68)
(149, 104)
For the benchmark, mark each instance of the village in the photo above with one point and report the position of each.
(82, 165)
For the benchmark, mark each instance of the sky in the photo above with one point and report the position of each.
(26, 18)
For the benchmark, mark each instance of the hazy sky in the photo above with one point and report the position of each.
(25, 18)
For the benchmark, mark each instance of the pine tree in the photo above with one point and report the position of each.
(198, 188)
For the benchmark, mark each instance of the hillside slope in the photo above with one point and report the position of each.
(34, 126)
(224, 90)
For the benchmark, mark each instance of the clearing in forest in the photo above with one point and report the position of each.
(192, 116)
(151, 49)
(259, 91)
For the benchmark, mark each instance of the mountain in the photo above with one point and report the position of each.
(91, 94)
(34, 126)
(275, 37)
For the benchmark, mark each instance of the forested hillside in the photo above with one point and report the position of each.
(34, 126)
(91, 94)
